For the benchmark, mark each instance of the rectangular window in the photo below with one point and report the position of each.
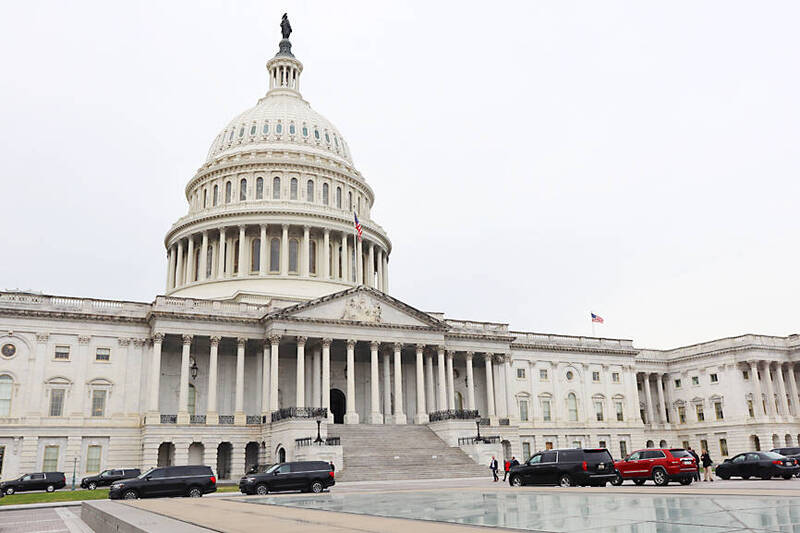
(601, 444)
(523, 410)
(56, 402)
(700, 414)
(102, 354)
(50, 461)
(595, 376)
(750, 411)
(714, 378)
(543, 374)
(6, 388)
(703, 444)
(681, 415)
(615, 377)
(598, 411)
(695, 380)
(62, 353)
(98, 403)
(93, 459)
(548, 445)
(723, 447)
(546, 410)
(620, 412)
(520, 373)
(526, 450)
(685, 444)
(745, 375)
(677, 384)
(718, 410)
(623, 449)
(576, 444)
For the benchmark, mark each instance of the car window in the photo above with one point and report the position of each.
(158, 473)
(680, 453)
(772, 455)
(283, 469)
(567, 456)
(549, 457)
(535, 459)
(300, 467)
(753, 457)
(597, 456)
(739, 458)
(37, 476)
(635, 456)
(272, 468)
(655, 454)
(145, 473)
(27, 477)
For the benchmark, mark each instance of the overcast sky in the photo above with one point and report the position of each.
(532, 161)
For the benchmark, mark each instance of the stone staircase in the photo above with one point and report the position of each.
(381, 452)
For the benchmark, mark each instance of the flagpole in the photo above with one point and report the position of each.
(593, 333)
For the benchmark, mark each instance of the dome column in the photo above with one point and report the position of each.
(380, 270)
(171, 268)
(343, 258)
(221, 254)
(359, 261)
(203, 257)
(179, 273)
(262, 251)
(306, 252)
(385, 284)
(370, 265)
(242, 247)
(284, 250)
(326, 254)
(189, 261)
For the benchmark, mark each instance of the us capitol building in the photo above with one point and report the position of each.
(276, 316)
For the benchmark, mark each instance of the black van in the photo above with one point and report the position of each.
(107, 477)
(306, 476)
(192, 481)
(48, 481)
(566, 468)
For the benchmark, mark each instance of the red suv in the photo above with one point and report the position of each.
(662, 465)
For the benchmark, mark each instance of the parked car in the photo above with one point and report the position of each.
(765, 465)
(662, 465)
(107, 477)
(307, 476)
(791, 453)
(566, 468)
(48, 481)
(192, 481)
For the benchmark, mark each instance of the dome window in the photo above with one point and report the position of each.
(279, 128)
(291, 129)
(216, 195)
(305, 131)
(336, 141)
(266, 128)
(312, 258)
(339, 197)
(316, 134)
(255, 255)
(241, 132)
(327, 138)
(274, 255)
(253, 129)
(276, 188)
(230, 137)
(228, 192)
(325, 193)
(293, 189)
(349, 201)
(243, 190)
(259, 188)
(294, 247)
(310, 191)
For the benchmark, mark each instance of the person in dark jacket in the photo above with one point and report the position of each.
(514, 462)
(493, 467)
(697, 462)
(705, 458)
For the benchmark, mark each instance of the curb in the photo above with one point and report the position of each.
(73, 503)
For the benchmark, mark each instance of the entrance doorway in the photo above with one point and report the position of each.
(250, 455)
(338, 406)
(281, 455)
(224, 460)
(506, 450)
(166, 454)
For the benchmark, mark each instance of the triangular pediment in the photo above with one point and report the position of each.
(361, 305)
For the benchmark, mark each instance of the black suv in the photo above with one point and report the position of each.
(566, 468)
(313, 476)
(791, 453)
(48, 481)
(192, 481)
(107, 477)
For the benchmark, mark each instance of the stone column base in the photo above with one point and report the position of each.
(494, 420)
(152, 417)
(239, 419)
(351, 418)
(183, 418)
(375, 418)
(212, 418)
(421, 418)
(399, 419)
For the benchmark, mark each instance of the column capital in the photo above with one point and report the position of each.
(306, 227)
(440, 348)
(469, 355)
(504, 357)
(351, 343)
(205, 233)
(275, 339)
(327, 342)
(374, 345)
(241, 341)
(242, 227)
(285, 227)
(84, 339)
(215, 340)
(187, 339)
(420, 347)
(301, 341)
(327, 231)
(124, 341)
(158, 337)
(42, 338)
(488, 357)
(398, 346)
(450, 354)
(139, 342)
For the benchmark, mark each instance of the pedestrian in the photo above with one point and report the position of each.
(514, 462)
(493, 468)
(696, 475)
(506, 468)
(707, 462)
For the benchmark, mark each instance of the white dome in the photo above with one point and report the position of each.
(270, 124)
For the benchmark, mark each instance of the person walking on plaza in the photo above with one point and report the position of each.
(506, 468)
(696, 475)
(707, 462)
(514, 462)
(493, 467)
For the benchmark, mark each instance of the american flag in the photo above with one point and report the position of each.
(358, 225)
(597, 318)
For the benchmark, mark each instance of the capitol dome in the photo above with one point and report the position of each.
(273, 210)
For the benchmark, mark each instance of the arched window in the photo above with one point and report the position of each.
(191, 400)
(305, 131)
(325, 193)
(459, 397)
(279, 128)
(253, 129)
(291, 129)
(216, 195)
(293, 189)
(316, 133)
(327, 138)
(259, 188)
(293, 248)
(6, 385)
(255, 255)
(241, 132)
(339, 197)
(274, 255)
(228, 192)
(243, 190)
(572, 407)
(265, 130)
(312, 257)
(230, 138)
(310, 191)
(205, 198)
(209, 261)
(349, 201)
(276, 188)
(236, 256)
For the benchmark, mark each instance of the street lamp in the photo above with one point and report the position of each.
(318, 440)
(478, 426)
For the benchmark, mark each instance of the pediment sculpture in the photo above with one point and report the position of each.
(361, 309)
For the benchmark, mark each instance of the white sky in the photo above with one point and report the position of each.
(532, 161)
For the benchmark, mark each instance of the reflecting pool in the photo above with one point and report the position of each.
(536, 511)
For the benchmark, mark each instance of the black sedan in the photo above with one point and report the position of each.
(765, 465)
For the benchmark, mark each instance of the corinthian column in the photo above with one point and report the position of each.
(262, 251)
(375, 399)
(422, 415)
(758, 399)
(274, 341)
(179, 275)
(648, 399)
(326, 254)
(470, 382)
(399, 415)
(451, 392)
(487, 359)
(351, 416)
(239, 417)
(442, 402)
(265, 373)
(326, 377)
(203, 257)
(221, 254)
(190, 261)
(387, 389)
(153, 415)
(300, 374)
(429, 395)
(212, 411)
(183, 394)
(243, 267)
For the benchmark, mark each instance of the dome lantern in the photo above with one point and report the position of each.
(284, 69)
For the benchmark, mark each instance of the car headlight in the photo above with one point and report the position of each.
(116, 486)
(250, 479)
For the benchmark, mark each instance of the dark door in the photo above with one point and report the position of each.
(546, 472)
(751, 465)
(526, 471)
(338, 406)
(155, 484)
(38, 482)
(737, 465)
(282, 478)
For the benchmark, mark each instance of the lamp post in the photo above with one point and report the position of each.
(478, 427)
(318, 440)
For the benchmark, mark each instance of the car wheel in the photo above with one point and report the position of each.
(565, 481)
(316, 487)
(261, 489)
(516, 481)
(787, 476)
(745, 477)
(723, 476)
(130, 495)
(9, 491)
(92, 485)
(195, 492)
(686, 481)
(50, 488)
(617, 481)
(660, 477)
(639, 482)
